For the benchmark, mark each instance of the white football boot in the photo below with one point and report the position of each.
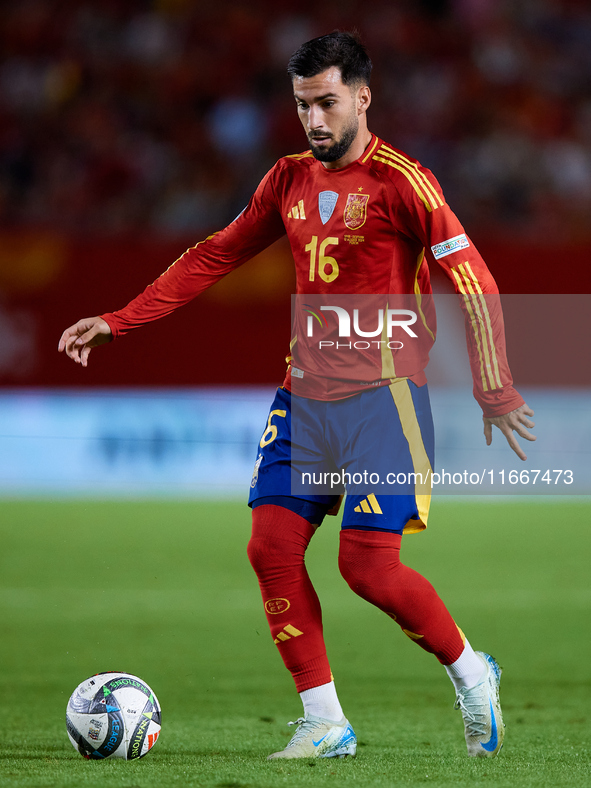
(319, 738)
(481, 710)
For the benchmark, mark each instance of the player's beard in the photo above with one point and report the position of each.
(339, 147)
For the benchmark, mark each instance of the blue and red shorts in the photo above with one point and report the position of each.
(377, 447)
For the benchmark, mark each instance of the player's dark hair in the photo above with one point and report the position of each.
(343, 50)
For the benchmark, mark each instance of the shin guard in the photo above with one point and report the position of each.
(276, 551)
(369, 561)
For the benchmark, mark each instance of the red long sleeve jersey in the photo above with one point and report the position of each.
(368, 228)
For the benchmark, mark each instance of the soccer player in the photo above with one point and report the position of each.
(365, 219)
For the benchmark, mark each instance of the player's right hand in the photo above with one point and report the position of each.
(79, 339)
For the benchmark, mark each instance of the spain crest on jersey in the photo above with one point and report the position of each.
(355, 214)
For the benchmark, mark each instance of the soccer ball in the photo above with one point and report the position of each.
(113, 715)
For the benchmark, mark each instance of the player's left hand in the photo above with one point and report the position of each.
(515, 421)
(79, 339)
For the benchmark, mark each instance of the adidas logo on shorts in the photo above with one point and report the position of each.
(369, 505)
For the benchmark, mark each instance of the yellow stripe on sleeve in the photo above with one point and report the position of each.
(474, 322)
(469, 276)
(495, 364)
(480, 320)
(409, 176)
(412, 165)
(205, 240)
(481, 308)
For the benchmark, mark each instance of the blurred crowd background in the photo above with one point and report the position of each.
(130, 129)
(121, 116)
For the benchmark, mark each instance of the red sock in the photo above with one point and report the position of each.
(369, 562)
(276, 551)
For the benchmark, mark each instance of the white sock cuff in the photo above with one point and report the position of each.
(467, 670)
(322, 701)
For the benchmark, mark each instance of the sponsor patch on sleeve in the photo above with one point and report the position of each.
(450, 246)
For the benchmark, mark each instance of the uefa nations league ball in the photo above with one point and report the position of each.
(113, 715)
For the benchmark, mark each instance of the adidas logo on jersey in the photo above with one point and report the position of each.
(297, 212)
(369, 505)
(288, 633)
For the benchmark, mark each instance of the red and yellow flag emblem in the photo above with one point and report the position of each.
(355, 214)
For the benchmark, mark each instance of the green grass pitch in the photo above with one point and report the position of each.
(164, 590)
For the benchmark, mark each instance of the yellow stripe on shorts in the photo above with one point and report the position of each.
(421, 464)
